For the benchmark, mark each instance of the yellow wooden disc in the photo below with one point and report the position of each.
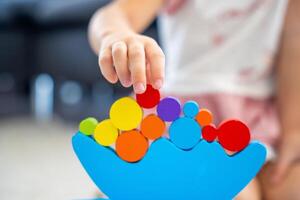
(126, 114)
(106, 133)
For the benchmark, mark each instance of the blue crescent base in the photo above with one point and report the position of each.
(169, 173)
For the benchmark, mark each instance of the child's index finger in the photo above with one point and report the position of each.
(137, 66)
(156, 59)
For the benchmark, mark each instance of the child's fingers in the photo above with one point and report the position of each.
(136, 56)
(119, 54)
(156, 58)
(106, 65)
(148, 72)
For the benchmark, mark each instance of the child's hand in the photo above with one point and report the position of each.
(133, 59)
(289, 153)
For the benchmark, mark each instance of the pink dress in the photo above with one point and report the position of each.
(220, 54)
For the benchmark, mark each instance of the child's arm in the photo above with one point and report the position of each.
(288, 79)
(123, 53)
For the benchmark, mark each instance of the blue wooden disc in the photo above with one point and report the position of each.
(185, 133)
(190, 109)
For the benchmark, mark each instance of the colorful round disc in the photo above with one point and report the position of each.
(209, 133)
(106, 133)
(126, 114)
(149, 98)
(233, 135)
(131, 146)
(169, 109)
(204, 117)
(185, 133)
(88, 125)
(190, 109)
(152, 127)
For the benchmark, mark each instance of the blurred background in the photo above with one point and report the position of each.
(49, 81)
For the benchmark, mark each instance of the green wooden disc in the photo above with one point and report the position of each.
(88, 125)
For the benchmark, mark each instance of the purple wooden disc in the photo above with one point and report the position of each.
(168, 109)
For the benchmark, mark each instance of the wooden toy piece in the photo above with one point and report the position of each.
(233, 135)
(126, 114)
(209, 133)
(190, 109)
(131, 146)
(88, 125)
(169, 173)
(152, 127)
(204, 117)
(185, 133)
(149, 98)
(169, 109)
(106, 133)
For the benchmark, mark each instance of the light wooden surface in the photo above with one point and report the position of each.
(37, 162)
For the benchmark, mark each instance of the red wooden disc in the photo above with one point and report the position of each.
(233, 135)
(209, 133)
(149, 98)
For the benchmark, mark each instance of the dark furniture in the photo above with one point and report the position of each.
(49, 36)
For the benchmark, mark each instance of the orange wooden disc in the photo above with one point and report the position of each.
(152, 127)
(204, 117)
(131, 146)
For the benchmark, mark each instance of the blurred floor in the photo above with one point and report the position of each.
(37, 162)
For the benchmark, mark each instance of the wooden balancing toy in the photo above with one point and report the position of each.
(175, 153)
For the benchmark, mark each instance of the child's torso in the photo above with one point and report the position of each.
(221, 46)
